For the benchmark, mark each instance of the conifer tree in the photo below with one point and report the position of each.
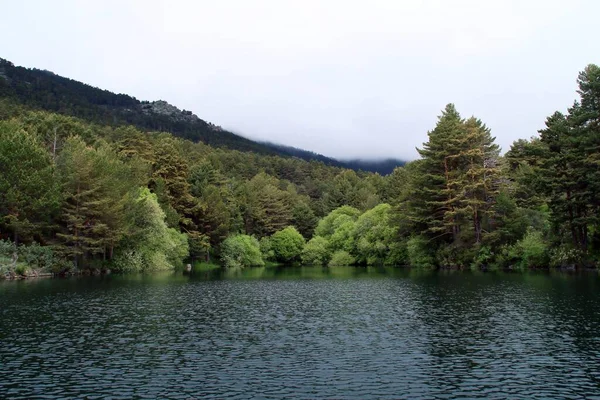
(436, 194)
(456, 181)
(28, 193)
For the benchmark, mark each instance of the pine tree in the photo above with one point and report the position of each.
(570, 168)
(95, 183)
(170, 169)
(436, 196)
(454, 184)
(479, 178)
(266, 208)
(29, 196)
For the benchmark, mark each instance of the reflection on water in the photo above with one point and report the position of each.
(304, 332)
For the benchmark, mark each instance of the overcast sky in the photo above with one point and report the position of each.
(339, 77)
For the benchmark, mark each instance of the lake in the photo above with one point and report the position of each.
(304, 333)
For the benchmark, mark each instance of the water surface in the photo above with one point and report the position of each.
(302, 332)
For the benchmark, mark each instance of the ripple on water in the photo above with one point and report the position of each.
(397, 336)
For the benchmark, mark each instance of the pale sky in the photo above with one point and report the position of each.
(339, 77)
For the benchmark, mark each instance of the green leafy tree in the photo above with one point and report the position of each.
(341, 258)
(240, 251)
(287, 244)
(316, 252)
(374, 235)
(338, 227)
(569, 170)
(170, 168)
(150, 245)
(328, 225)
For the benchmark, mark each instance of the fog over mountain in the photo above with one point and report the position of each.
(346, 79)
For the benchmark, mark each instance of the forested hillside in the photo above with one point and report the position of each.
(76, 195)
(44, 90)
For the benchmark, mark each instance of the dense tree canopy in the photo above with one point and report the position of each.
(100, 196)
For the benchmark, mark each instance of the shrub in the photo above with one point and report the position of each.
(455, 256)
(419, 253)
(151, 245)
(373, 235)
(484, 258)
(341, 258)
(129, 260)
(397, 254)
(287, 244)
(37, 256)
(266, 248)
(21, 269)
(330, 223)
(532, 250)
(316, 251)
(241, 251)
(566, 256)
(7, 248)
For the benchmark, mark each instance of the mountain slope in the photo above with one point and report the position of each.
(45, 90)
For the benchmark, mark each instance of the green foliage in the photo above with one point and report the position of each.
(420, 254)
(22, 269)
(341, 258)
(150, 244)
(95, 184)
(38, 257)
(484, 258)
(28, 192)
(338, 228)
(266, 249)
(328, 225)
(374, 235)
(241, 251)
(130, 260)
(397, 255)
(7, 248)
(457, 177)
(287, 244)
(303, 217)
(565, 256)
(316, 251)
(531, 251)
(135, 200)
(267, 207)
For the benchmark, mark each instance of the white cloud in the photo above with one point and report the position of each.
(344, 78)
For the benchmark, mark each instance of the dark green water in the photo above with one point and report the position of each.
(303, 333)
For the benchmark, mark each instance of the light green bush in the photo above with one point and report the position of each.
(151, 245)
(373, 235)
(316, 251)
(341, 258)
(241, 251)
(287, 244)
(329, 224)
(532, 250)
(266, 248)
